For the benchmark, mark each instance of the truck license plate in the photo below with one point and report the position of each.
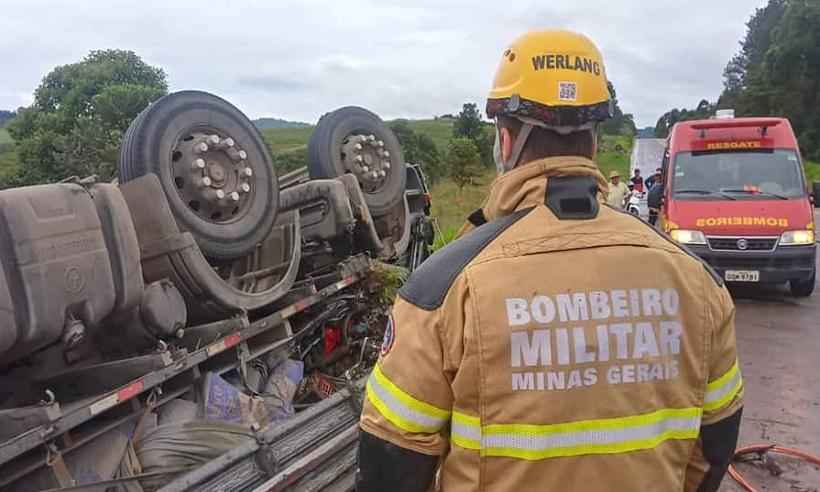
(742, 276)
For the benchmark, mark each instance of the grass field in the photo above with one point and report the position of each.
(282, 140)
(439, 130)
(5, 138)
(451, 207)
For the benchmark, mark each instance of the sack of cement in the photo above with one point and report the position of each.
(224, 402)
(177, 411)
(281, 388)
(171, 449)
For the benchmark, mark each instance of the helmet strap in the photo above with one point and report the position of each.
(518, 147)
(524, 134)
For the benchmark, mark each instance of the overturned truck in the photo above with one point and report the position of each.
(202, 324)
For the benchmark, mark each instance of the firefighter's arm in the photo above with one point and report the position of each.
(408, 402)
(723, 399)
(385, 466)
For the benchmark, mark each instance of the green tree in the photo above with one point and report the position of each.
(79, 114)
(777, 70)
(743, 88)
(5, 117)
(620, 123)
(463, 160)
(468, 124)
(703, 111)
(419, 148)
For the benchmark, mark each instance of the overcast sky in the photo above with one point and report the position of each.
(297, 59)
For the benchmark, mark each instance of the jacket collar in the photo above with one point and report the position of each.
(525, 186)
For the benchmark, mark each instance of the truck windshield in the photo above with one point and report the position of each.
(755, 175)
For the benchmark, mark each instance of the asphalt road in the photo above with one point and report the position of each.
(647, 154)
(779, 343)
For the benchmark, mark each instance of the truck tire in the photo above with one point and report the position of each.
(214, 167)
(803, 288)
(354, 140)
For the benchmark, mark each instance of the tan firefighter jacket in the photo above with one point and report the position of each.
(561, 346)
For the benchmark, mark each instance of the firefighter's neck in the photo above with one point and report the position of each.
(525, 186)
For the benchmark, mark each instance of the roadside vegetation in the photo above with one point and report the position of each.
(774, 73)
(452, 205)
(813, 171)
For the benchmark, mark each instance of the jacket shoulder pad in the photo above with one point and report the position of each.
(428, 285)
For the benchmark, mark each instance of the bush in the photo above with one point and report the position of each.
(79, 114)
(464, 161)
(419, 148)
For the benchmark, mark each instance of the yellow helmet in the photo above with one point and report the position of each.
(555, 77)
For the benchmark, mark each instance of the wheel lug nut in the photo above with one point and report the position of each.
(220, 194)
(206, 181)
(243, 155)
(382, 173)
(248, 172)
(228, 142)
(199, 164)
(365, 169)
(245, 187)
(380, 143)
(386, 164)
(358, 146)
(201, 147)
(386, 153)
(212, 139)
(362, 138)
(375, 174)
(371, 137)
(359, 158)
(235, 196)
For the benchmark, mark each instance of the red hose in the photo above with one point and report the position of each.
(761, 449)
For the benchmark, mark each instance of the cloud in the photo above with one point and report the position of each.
(401, 58)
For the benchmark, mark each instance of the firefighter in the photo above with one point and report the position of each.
(617, 192)
(528, 354)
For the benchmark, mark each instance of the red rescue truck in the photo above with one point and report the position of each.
(735, 194)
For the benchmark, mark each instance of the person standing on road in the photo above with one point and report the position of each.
(637, 181)
(617, 192)
(527, 355)
(653, 180)
(654, 201)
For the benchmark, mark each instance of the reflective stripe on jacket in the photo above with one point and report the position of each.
(536, 350)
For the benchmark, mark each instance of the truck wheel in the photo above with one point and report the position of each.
(803, 288)
(214, 168)
(354, 140)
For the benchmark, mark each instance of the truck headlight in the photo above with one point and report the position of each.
(688, 237)
(795, 238)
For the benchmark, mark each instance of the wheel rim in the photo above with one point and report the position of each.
(212, 175)
(367, 158)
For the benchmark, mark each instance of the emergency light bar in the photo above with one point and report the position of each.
(715, 124)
